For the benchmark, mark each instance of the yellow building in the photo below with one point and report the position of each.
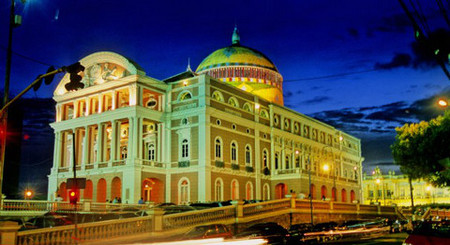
(218, 133)
(392, 189)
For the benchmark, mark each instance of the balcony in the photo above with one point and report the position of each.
(183, 164)
(219, 164)
(234, 166)
(249, 169)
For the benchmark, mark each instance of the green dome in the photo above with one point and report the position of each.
(236, 55)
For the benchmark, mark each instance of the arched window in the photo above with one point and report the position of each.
(344, 195)
(248, 155)
(184, 96)
(265, 159)
(266, 192)
(247, 107)
(219, 189)
(183, 191)
(151, 152)
(218, 149)
(249, 191)
(288, 162)
(233, 102)
(276, 160)
(233, 152)
(217, 96)
(185, 148)
(297, 161)
(264, 113)
(234, 190)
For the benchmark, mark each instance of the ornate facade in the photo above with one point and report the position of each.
(391, 189)
(197, 136)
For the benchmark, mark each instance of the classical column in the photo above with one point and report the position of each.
(139, 147)
(86, 146)
(114, 100)
(257, 165)
(204, 147)
(75, 109)
(115, 135)
(99, 144)
(100, 103)
(87, 112)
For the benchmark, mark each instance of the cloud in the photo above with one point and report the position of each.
(317, 100)
(393, 23)
(288, 94)
(428, 52)
(353, 32)
(399, 60)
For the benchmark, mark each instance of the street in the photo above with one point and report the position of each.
(391, 239)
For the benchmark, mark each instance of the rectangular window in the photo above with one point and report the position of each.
(370, 193)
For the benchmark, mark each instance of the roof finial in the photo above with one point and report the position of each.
(235, 39)
(188, 68)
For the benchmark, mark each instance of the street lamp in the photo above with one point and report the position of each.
(326, 167)
(310, 191)
(443, 103)
(28, 194)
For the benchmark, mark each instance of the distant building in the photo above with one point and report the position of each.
(395, 189)
(219, 133)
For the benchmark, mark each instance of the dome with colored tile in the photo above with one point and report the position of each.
(245, 68)
(236, 55)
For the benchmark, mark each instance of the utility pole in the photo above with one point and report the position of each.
(4, 115)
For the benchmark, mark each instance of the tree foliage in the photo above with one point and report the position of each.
(422, 150)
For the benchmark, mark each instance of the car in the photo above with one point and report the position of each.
(270, 231)
(177, 209)
(48, 221)
(327, 226)
(430, 233)
(208, 231)
(297, 232)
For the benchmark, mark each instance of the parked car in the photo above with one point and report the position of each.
(297, 232)
(48, 221)
(202, 205)
(271, 231)
(327, 226)
(177, 209)
(208, 231)
(430, 233)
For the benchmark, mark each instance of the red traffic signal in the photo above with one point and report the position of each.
(73, 197)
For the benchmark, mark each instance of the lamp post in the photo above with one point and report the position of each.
(333, 171)
(14, 21)
(310, 191)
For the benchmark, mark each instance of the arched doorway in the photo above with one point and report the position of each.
(280, 190)
(313, 191)
(62, 192)
(344, 195)
(116, 188)
(234, 190)
(153, 190)
(323, 192)
(88, 190)
(333, 194)
(352, 196)
(266, 192)
(101, 190)
(249, 191)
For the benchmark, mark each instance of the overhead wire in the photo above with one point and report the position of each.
(443, 11)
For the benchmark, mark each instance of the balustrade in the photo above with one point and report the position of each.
(156, 223)
(86, 232)
(257, 208)
(193, 218)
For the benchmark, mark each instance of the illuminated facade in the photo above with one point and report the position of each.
(395, 189)
(198, 136)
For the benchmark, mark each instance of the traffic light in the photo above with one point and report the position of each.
(73, 196)
(75, 78)
(47, 79)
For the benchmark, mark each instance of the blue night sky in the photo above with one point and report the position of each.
(313, 43)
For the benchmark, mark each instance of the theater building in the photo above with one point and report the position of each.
(218, 133)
